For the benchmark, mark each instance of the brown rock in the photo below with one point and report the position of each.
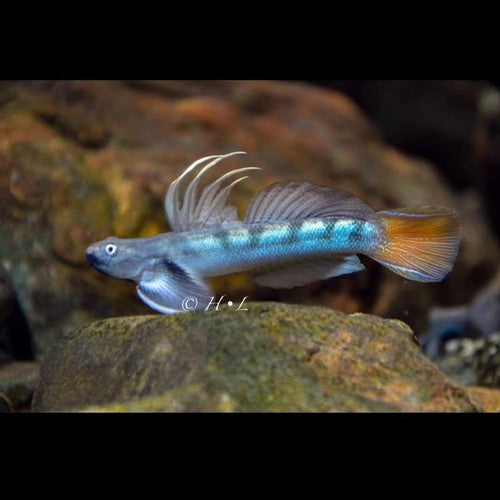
(430, 119)
(488, 399)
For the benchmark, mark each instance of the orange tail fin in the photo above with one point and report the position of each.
(421, 243)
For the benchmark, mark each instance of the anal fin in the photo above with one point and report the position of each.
(304, 272)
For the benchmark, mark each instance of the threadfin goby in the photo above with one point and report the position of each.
(294, 233)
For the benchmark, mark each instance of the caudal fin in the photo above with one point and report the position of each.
(421, 243)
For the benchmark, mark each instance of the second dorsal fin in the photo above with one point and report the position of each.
(304, 200)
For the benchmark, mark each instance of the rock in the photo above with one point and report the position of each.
(15, 337)
(273, 357)
(50, 206)
(80, 161)
(488, 399)
(17, 382)
(472, 362)
(429, 119)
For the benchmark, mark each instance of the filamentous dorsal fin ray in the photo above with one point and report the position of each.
(303, 200)
(186, 211)
(308, 271)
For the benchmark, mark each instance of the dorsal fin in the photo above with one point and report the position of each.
(304, 200)
(186, 211)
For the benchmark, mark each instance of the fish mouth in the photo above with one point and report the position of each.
(93, 259)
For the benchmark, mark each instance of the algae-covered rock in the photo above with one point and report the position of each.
(272, 357)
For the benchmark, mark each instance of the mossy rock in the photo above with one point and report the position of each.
(273, 357)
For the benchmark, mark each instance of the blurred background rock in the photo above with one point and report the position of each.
(83, 160)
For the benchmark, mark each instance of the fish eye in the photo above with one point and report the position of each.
(110, 249)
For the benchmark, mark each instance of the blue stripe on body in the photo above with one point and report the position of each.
(221, 251)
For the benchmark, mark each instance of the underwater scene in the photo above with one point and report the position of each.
(249, 246)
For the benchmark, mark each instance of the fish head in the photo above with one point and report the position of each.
(115, 257)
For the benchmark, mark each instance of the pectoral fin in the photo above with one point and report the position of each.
(170, 288)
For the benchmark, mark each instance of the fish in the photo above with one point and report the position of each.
(294, 233)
